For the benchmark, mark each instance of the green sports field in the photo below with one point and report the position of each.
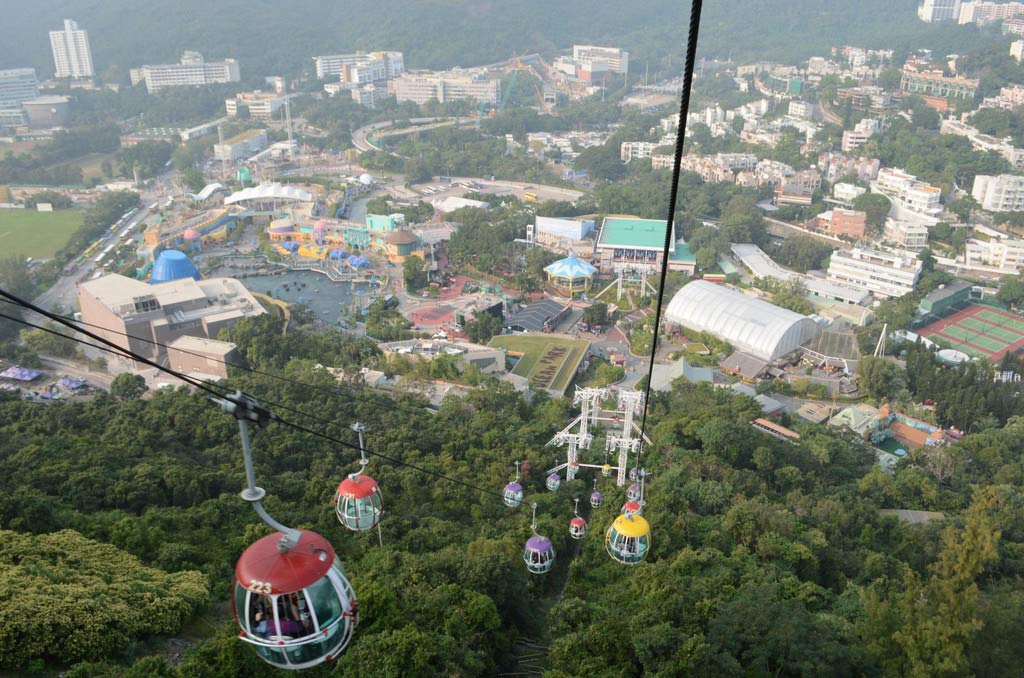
(549, 361)
(36, 234)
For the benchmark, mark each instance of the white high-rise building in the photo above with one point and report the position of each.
(1001, 193)
(939, 10)
(72, 57)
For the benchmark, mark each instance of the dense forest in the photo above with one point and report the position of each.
(274, 38)
(769, 558)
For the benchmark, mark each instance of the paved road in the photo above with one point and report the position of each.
(362, 143)
(64, 292)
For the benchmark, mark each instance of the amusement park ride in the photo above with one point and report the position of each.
(292, 600)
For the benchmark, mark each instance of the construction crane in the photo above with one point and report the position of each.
(515, 69)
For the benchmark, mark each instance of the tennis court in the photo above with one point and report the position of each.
(979, 331)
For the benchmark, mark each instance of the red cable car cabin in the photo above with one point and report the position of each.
(296, 607)
(358, 502)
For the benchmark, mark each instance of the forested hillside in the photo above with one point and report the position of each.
(271, 37)
(768, 558)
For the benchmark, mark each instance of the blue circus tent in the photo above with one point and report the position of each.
(173, 265)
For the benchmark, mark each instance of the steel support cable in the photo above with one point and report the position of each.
(109, 347)
(338, 390)
(684, 111)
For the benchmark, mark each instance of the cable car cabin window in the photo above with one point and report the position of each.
(241, 605)
(362, 513)
(326, 606)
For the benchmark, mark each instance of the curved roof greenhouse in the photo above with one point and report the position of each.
(749, 324)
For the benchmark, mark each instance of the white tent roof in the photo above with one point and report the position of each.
(749, 324)
(274, 191)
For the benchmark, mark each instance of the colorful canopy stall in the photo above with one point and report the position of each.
(358, 262)
(71, 383)
(570, 276)
(20, 373)
(338, 255)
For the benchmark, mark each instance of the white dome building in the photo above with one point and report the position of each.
(751, 325)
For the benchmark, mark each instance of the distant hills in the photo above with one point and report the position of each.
(277, 37)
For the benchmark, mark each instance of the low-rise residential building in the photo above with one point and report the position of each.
(192, 71)
(1000, 193)
(886, 274)
(443, 86)
(866, 98)
(859, 135)
(241, 145)
(845, 194)
(843, 222)
(835, 166)
(1006, 254)
(798, 189)
(1010, 98)
(635, 150)
(913, 196)
(660, 161)
(922, 198)
(767, 172)
(709, 168)
(907, 234)
(891, 181)
(803, 109)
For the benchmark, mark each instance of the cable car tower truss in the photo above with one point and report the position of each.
(577, 435)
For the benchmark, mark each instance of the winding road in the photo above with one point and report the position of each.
(361, 137)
